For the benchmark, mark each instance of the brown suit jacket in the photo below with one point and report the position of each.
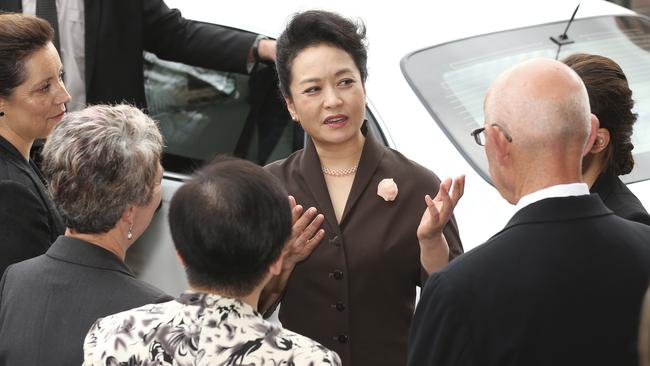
(355, 294)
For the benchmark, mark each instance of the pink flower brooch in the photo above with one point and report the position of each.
(387, 189)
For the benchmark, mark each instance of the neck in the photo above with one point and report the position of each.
(341, 156)
(251, 299)
(593, 167)
(23, 146)
(541, 176)
(108, 241)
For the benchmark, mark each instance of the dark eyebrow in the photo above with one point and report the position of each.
(338, 73)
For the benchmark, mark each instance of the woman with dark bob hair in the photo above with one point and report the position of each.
(611, 102)
(103, 166)
(229, 224)
(32, 102)
(355, 291)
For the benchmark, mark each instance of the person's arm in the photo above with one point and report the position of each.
(306, 234)
(439, 333)
(24, 224)
(172, 37)
(434, 249)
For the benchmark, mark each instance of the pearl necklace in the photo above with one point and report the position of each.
(339, 172)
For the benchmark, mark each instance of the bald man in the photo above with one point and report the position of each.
(563, 282)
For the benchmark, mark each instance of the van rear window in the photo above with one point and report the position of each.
(451, 79)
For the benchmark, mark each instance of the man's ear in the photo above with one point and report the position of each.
(500, 144)
(276, 267)
(292, 109)
(593, 135)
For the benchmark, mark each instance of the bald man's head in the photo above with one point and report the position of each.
(544, 106)
(542, 102)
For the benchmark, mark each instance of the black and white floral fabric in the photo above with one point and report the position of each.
(198, 329)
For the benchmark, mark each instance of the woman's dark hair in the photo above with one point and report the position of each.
(611, 101)
(229, 223)
(20, 36)
(315, 27)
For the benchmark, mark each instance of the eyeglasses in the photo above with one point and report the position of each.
(479, 134)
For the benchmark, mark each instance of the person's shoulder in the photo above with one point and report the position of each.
(110, 330)
(284, 167)
(307, 351)
(145, 292)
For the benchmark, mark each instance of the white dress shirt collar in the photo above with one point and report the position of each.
(560, 190)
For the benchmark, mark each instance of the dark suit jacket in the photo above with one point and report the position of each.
(117, 31)
(48, 303)
(29, 221)
(618, 198)
(561, 284)
(355, 294)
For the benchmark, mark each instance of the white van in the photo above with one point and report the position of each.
(429, 64)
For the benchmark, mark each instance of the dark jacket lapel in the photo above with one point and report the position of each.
(370, 157)
(310, 169)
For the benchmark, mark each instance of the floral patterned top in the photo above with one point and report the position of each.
(198, 329)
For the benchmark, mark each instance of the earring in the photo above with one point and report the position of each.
(130, 234)
(599, 141)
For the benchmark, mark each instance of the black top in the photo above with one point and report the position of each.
(561, 284)
(29, 221)
(618, 198)
(48, 303)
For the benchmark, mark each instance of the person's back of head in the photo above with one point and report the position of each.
(229, 224)
(610, 99)
(538, 125)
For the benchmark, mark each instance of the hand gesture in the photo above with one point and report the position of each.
(440, 208)
(305, 233)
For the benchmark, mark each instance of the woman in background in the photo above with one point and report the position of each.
(355, 293)
(32, 102)
(611, 101)
(103, 166)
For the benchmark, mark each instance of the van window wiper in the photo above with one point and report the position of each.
(563, 38)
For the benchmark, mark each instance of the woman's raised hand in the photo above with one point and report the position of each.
(306, 233)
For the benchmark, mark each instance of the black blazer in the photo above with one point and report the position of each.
(48, 303)
(561, 284)
(618, 198)
(29, 221)
(117, 31)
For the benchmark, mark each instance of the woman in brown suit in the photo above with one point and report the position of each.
(355, 292)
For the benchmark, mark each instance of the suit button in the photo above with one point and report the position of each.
(342, 338)
(338, 275)
(336, 241)
(340, 306)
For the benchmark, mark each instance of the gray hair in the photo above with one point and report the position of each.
(99, 161)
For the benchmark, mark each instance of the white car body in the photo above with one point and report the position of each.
(394, 29)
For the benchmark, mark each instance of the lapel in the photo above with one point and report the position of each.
(92, 13)
(15, 6)
(310, 167)
(370, 158)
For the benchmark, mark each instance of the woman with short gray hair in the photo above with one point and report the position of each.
(103, 165)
